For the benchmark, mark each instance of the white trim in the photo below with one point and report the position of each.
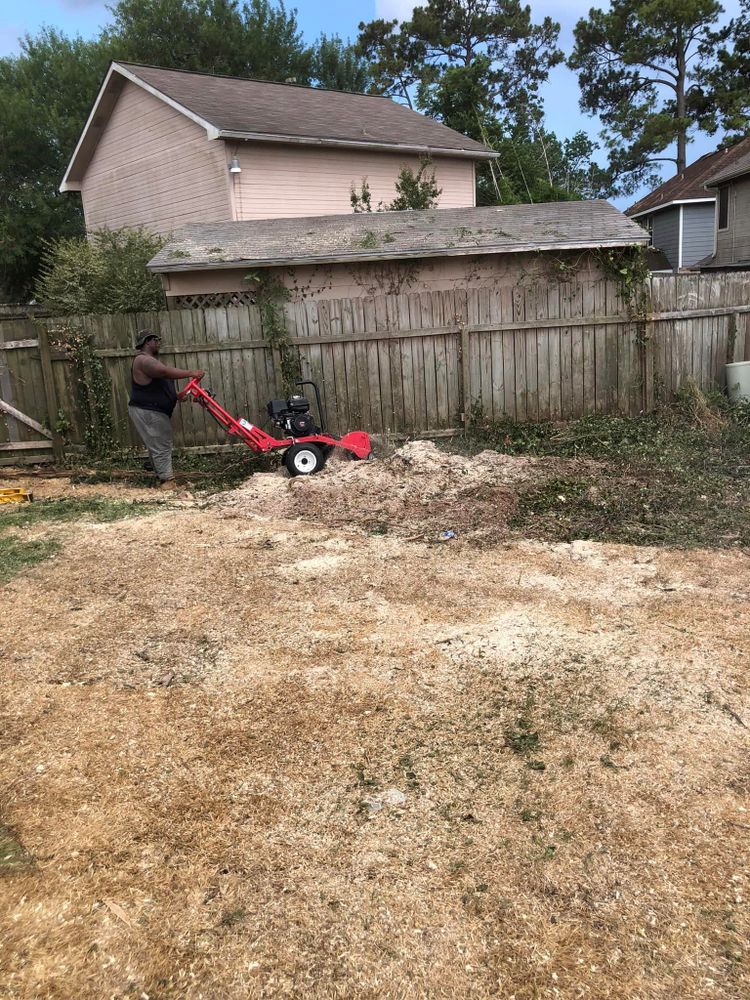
(669, 204)
(394, 147)
(76, 186)
(679, 240)
(211, 130)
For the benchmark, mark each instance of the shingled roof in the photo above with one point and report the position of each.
(569, 225)
(690, 184)
(234, 108)
(738, 165)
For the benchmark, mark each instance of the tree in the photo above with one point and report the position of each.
(104, 273)
(634, 68)
(461, 47)
(414, 191)
(45, 96)
(396, 60)
(724, 81)
(338, 66)
(212, 36)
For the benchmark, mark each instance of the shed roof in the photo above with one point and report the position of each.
(231, 107)
(393, 235)
(690, 184)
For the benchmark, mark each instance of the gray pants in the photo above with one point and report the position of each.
(155, 430)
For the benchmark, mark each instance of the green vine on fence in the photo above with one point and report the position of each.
(92, 387)
(271, 296)
(628, 268)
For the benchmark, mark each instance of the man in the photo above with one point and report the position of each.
(153, 398)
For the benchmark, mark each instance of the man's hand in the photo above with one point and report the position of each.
(198, 373)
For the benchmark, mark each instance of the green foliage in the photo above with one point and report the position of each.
(497, 40)
(45, 96)
(99, 509)
(416, 190)
(637, 62)
(17, 554)
(678, 477)
(478, 68)
(535, 166)
(395, 58)
(413, 191)
(271, 298)
(337, 65)
(105, 273)
(724, 98)
(255, 39)
(93, 389)
(628, 267)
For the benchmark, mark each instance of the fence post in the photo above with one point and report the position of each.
(50, 394)
(465, 376)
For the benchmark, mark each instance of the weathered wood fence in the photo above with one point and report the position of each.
(399, 364)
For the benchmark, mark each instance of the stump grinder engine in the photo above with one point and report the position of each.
(307, 446)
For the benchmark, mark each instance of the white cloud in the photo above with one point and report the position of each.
(400, 9)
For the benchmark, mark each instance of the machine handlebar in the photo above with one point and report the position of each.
(193, 383)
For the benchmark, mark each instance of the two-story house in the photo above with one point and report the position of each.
(163, 148)
(731, 186)
(680, 214)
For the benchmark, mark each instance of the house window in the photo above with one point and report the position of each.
(723, 207)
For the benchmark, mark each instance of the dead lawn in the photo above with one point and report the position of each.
(205, 714)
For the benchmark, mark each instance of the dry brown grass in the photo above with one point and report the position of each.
(210, 838)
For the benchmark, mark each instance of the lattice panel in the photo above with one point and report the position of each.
(212, 300)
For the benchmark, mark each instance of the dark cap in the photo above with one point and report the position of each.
(143, 336)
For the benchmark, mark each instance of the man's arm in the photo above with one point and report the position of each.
(157, 369)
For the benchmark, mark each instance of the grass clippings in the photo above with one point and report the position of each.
(16, 554)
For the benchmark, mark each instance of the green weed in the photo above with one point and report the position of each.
(17, 555)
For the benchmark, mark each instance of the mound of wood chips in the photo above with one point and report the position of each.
(419, 492)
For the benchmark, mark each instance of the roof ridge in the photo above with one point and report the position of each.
(254, 79)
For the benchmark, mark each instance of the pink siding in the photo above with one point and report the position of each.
(343, 281)
(280, 181)
(154, 167)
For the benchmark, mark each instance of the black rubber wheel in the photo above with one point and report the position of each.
(303, 459)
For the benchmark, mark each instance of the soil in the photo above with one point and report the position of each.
(417, 492)
(253, 747)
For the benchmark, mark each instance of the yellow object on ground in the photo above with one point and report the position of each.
(16, 495)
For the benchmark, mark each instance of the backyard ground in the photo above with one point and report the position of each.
(282, 740)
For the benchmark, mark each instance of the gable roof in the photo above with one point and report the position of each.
(569, 225)
(735, 168)
(234, 108)
(690, 185)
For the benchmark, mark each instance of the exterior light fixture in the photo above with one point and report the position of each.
(234, 166)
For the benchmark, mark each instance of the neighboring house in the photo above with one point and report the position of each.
(356, 256)
(732, 186)
(680, 214)
(163, 148)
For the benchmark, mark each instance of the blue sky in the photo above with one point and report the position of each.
(85, 17)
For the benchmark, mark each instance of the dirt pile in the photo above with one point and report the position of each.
(418, 492)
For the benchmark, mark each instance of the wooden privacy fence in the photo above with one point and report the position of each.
(407, 363)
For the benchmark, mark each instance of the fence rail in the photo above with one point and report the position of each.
(410, 363)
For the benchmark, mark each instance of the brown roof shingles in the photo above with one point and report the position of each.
(735, 168)
(690, 185)
(394, 235)
(258, 108)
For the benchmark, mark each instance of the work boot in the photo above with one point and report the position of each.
(169, 484)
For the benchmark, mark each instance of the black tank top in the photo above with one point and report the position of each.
(160, 394)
